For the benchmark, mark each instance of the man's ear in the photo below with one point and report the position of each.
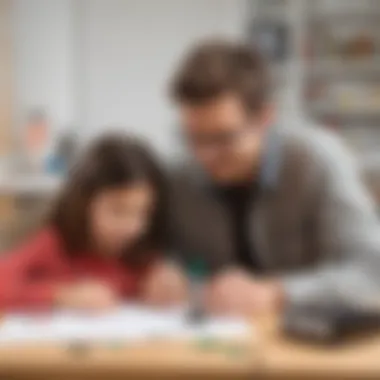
(266, 116)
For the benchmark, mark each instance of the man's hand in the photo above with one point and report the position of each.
(237, 292)
(165, 285)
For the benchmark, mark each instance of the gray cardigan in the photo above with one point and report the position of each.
(314, 225)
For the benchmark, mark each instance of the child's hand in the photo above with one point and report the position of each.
(90, 296)
(165, 285)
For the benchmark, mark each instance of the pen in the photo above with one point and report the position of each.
(197, 274)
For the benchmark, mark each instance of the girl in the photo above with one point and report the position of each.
(101, 240)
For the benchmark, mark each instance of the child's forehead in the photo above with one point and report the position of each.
(137, 190)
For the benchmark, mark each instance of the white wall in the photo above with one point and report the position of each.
(130, 50)
(43, 59)
(106, 62)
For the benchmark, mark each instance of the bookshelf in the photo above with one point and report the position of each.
(330, 71)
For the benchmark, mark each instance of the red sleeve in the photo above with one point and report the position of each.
(28, 274)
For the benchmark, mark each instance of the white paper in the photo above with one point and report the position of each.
(128, 323)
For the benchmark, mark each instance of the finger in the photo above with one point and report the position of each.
(152, 297)
(226, 302)
(214, 303)
(179, 290)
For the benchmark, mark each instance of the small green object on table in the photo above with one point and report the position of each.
(207, 344)
(235, 350)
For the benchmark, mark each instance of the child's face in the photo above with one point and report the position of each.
(119, 217)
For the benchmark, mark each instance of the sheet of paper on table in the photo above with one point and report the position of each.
(129, 322)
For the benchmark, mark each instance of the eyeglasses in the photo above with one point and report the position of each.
(217, 140)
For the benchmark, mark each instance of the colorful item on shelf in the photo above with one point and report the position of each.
(36, 138)
(361, 46)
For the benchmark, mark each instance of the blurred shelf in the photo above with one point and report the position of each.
(29, 184)
(352, 17)
(338, 69)
(325, 109)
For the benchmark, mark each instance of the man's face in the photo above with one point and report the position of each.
(223, 138)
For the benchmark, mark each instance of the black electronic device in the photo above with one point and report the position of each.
(330, 323)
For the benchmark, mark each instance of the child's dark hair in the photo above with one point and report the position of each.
(113, 160)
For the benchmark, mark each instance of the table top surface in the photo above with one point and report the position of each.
(266, 353)
(283, 357)
(148, 358)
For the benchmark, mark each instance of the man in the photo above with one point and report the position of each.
(277, 213)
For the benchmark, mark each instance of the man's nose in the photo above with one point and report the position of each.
(208, 154)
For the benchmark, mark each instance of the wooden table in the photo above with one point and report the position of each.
(284, 359)
(267, 356)
(148, 361)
